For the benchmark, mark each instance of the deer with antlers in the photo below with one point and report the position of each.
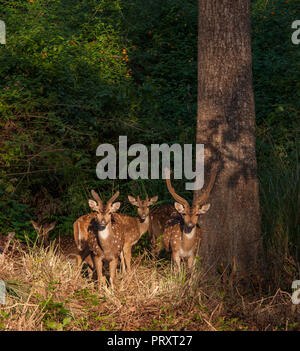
(182, 233)
(98, 236)
(134, 227)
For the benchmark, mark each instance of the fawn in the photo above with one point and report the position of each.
(43, 228)
(65, 244)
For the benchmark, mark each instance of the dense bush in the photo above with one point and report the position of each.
(64, 87)
(276, 88)
(276, 78)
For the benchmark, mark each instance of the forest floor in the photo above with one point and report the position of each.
(46, 291)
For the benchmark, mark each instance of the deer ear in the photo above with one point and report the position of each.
(204, 209)
(115, 207)
(93, 205)
(132, 200)
(179, 207)
(153, 200)
(51, 226)
(35, 225)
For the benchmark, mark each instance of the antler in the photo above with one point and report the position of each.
(204, 196)
(112, 199)
(176, 197)
(97, 198)
(139, 201)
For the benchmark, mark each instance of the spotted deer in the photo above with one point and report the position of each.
(64, 244)
(182, 232)
(134, 227)
(158, 218)
(67, 247)
(80, 232)
(43, 228)
(98, 236)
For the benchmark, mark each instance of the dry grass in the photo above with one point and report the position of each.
(45, 291)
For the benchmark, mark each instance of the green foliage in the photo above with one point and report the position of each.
(56, 316)
(64, 87)
(14, 215)
(276, 88)
(163, 58)
(63, 90)
(276, 77)
(3, 316)
(231, 324)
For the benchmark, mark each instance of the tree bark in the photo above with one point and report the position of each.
(226, 126)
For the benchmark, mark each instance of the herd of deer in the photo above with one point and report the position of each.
(106, 235)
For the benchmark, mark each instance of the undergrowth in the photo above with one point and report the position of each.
(45, 291)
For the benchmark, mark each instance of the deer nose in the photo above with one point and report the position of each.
(190, 224)
(143, 216)
(103, 222)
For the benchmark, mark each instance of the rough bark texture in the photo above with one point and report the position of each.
(226, 126)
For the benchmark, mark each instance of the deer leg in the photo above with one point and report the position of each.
(155, 246)
(99, 265)
(85, 255)
(112, 271)
(127, 254)
(152, 241)
(89, 261)
(78, 260)
(176, 259)
(80, 256)
(159, 243)
(122, 262)
(191, 262)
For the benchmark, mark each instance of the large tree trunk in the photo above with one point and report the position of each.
(226, 126)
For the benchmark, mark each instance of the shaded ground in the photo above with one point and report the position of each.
(45, 291)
